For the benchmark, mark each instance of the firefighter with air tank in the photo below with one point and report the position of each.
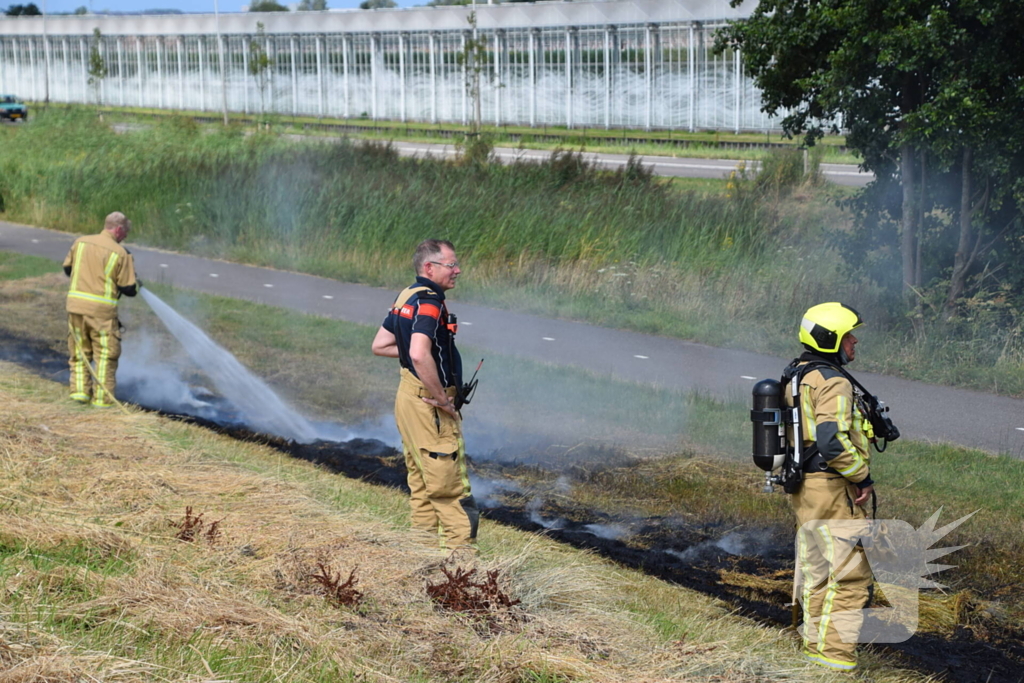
(101, 270)
(812, 435)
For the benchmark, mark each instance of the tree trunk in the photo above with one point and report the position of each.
(962, 260)
(909, 228)
(922, 209)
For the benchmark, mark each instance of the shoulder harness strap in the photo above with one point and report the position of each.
(405, 295)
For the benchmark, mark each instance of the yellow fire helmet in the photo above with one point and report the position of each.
(824, 325)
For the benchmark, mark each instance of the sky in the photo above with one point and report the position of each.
(54, 6)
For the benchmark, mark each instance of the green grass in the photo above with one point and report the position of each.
(647, 452)
(699, 144)
(112, 562)
(17, 266)
(733, 264)
(516, 395)
(199, 611)
(568, 413)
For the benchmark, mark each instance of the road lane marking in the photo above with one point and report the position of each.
(747, 377)
(466, 323)
(328, 296)
(642, 357)
(214, 275)
(163, 265)
(1020, 429)
(267, 285)
(548, 338)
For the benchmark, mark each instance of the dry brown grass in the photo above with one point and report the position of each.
(95, 585)
(34, 307)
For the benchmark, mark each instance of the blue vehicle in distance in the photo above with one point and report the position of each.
(13, 109)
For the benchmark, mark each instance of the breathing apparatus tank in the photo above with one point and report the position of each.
(769, 428)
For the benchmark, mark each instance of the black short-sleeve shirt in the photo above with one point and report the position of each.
(426, 313)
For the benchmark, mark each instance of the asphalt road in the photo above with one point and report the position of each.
(670, 167)
(922, 411)
(840, 174)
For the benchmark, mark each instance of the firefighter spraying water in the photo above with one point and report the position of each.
(101, 271)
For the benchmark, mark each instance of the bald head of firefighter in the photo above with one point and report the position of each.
(419, 331)
(833, 578)
(101, 271)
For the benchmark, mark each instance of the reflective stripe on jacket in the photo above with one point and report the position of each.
(100, 267)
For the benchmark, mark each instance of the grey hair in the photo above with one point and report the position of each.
(427, 250)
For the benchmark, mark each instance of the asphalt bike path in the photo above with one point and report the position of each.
(922, 411)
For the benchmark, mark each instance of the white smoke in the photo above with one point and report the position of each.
(382, 429)
(534, 506)
(144, 378)
(486, 491)
(611, 532)
(741, 543)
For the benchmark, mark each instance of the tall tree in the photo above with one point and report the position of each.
(259, 64)
(97, 66)
(928, 91)
(29, 10)
(862, 65)
(267, 6)
(971, 125)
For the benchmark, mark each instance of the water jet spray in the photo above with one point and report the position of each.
(256, 402)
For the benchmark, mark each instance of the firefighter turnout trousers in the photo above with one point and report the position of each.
(93, 340)
(832, 578)
(435, 458)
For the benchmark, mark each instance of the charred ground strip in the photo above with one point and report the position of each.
(962, 659)
(34, 356)
(662, 547)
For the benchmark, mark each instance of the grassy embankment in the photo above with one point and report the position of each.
(98, 584)
(672, 143)
(556, 239)
(702, 474)
(100, 580)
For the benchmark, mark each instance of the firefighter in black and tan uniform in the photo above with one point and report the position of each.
(419, 332)
(833, 578)
(101, 270)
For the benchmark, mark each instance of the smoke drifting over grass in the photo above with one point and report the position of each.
(745, 543)
(487, 492)
(612, 532)
(533, 509)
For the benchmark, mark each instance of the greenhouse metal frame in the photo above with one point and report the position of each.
(633, 64)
